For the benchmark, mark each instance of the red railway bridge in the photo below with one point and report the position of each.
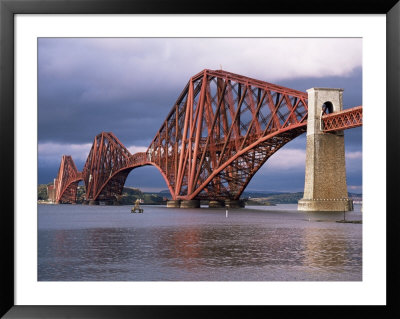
(222, 128)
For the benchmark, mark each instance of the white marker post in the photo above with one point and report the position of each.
(226, 215)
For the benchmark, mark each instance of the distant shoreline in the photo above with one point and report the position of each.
(131, 194)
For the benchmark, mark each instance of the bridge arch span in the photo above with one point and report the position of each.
(253, 157)
(112, 188)
(69, 193)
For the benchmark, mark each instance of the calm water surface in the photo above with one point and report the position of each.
(279, 243)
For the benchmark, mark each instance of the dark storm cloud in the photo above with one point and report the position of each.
(129, 85)
(84, 90)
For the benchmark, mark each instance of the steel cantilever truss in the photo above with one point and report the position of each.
(105, 170)
(221, 130)
(67, 180)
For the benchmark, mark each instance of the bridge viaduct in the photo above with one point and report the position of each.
(222, 128)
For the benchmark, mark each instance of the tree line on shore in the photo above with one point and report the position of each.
(129, 196)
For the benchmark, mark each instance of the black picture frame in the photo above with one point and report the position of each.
(8, 8)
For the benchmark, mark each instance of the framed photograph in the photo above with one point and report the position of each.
(90, 91)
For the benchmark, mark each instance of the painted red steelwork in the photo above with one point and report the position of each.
(67, 180)
(220, 131)
(105, 170)
(342, 120)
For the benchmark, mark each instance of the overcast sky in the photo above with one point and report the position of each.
(128, 86)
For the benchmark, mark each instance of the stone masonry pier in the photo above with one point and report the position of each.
(325, 186)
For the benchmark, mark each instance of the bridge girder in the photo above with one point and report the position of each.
(346, 119)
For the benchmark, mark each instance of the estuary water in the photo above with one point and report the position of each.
(274, 243)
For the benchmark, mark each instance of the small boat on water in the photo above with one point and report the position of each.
(137, 207)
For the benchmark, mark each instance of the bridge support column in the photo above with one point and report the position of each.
(194, 203)
(216, 204)
(325, 186)
(231, 203)
(174, 203)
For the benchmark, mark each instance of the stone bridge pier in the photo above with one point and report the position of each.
(325, 186)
